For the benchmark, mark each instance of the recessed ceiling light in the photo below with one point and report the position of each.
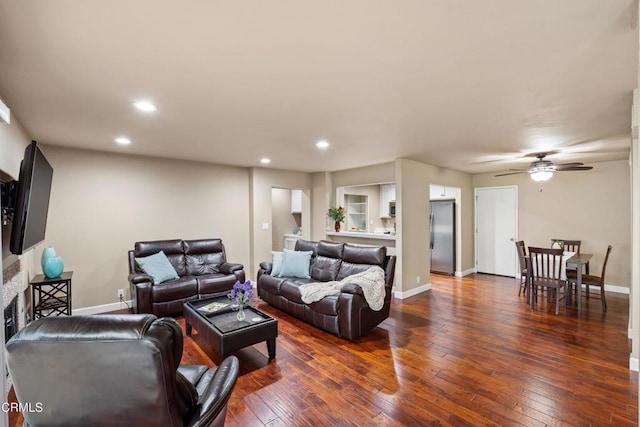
(145, 106)
(123, 140)
(322, 144)
(265, 161)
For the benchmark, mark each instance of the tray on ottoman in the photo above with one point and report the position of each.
(224, 331)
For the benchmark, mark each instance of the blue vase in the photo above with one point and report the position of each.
(52, 264)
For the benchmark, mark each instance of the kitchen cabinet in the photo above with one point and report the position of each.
(296, 201)
(290, 241)
(387, 194)
(357, 211)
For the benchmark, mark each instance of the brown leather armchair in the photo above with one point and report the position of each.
(108, 370)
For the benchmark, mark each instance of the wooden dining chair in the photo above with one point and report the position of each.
(522, 257)
(545, 266)
(588, 280)
(569, 246)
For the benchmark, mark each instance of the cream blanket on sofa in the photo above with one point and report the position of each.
(371, 281)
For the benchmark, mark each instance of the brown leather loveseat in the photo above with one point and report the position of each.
(202, 271)
(346, 315)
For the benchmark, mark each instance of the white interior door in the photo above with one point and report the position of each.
(496, 230)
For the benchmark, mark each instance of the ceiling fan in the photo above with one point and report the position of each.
(541, 170)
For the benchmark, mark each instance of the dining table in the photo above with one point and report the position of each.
(577, 261)
(571, 260)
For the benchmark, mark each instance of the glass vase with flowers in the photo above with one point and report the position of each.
(337, 215)
(241, 294)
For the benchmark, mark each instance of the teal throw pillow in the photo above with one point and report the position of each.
(296, 264)
(158, 267)
(276, 263)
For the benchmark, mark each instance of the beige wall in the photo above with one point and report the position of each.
(13, 140)
(322, 195)
(262, 181)
(413, 180)
(412, 203)
(97, 196)
(634, 294)
(592, 206)
(102, 203)
(284, 222)
(376, 174)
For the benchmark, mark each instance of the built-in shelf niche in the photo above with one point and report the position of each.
(357, 212)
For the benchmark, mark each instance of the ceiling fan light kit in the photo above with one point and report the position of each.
(542, 170)
(541, 176)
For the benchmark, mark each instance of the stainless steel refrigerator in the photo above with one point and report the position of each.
(442, 222)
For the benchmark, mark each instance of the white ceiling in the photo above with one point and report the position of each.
(468, 85)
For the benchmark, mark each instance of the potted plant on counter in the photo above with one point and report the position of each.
(337, 215)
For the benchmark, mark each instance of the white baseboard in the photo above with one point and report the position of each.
(465, 272)
(104, 308)
(616, 289)
(97, 309)
(633, 364)
(412, 292)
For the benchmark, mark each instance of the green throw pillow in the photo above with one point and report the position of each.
(296, 264)
(158, 267)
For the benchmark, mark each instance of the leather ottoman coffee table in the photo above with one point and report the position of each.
(225, 332)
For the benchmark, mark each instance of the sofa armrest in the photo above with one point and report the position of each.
(266, 266)
(137, 278)
(140, 286)
(212, 403)
(230, 267)
(352, 288)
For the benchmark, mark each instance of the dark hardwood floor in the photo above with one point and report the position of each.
(469, 352)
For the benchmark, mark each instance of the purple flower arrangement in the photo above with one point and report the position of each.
(242, 293)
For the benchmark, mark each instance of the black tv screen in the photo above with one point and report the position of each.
(31, 200)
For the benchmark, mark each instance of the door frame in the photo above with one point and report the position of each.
(475, 225)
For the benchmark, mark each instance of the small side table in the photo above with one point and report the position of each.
(51, 297)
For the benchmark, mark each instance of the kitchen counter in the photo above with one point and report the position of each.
(362, 235)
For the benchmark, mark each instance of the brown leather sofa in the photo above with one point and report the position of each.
(114, 370)
(202, 268)
(346, 315)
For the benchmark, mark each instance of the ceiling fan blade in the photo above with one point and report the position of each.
(573, 168)
(571, 164)
(513, 173)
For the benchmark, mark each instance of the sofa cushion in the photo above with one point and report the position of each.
(357, 259)
(307, 245)
(158, 267)
(172, 249)
(330, 249)
(324, 269)
(327, 305)
(373, 255)
(215, 283)
(183, 287)
(290, 289)
(203, 256)
(270, 284)
(296, 264)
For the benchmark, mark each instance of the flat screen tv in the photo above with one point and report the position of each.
(31, 200)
